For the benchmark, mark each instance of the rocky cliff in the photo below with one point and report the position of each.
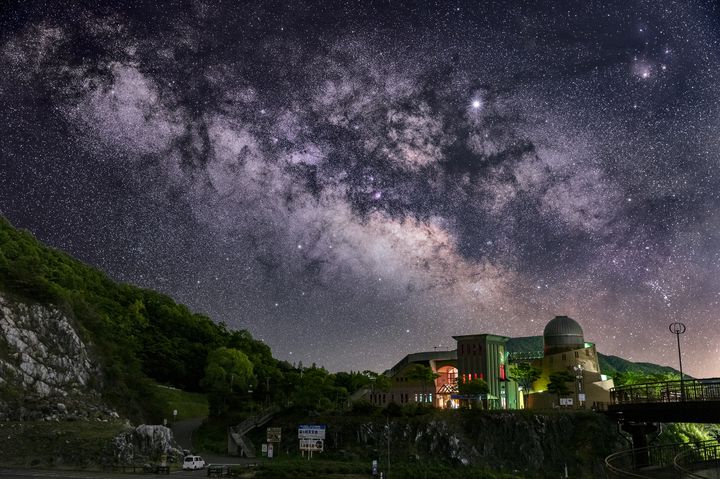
(47, 372)
(537, 445)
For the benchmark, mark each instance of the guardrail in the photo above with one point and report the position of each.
(706, 455)
(220, 470)
(645, 462)
(135, 468)
(667, 391)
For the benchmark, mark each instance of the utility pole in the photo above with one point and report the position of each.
(677, 329)
(267, 391)
(388, 444)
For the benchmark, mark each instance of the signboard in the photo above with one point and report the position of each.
(566, 401)
(264, 449)
(311, 431)
(475, 397)
(581, 397)
(270, 451)
(312, 444)
(274, 434)
(374, 467)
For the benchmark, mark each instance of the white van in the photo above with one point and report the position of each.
(193, 462)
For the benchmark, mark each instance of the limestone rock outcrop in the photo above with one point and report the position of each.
(145, 443)
(46, 370)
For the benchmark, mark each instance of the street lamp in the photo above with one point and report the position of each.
(578, 368)
(677, 329)
(388, 446)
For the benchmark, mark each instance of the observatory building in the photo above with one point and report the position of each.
(491, 357)
(565, 349)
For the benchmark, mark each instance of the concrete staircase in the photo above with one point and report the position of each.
(238, 442)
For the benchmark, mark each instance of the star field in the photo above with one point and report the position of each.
(355, 181)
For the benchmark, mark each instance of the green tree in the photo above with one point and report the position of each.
(227, 372)
(525, 374)
(559, 383)
(685, 433)
(424, 375)
(627, 378)
(475, 388)
(316, 391)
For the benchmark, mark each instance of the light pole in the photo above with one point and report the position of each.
(677, 329)
(578, 368)
(388, 428)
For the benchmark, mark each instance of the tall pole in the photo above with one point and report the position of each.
(388, 444)
(677, 329)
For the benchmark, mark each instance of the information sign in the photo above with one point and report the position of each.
(311, 431)
(312, 445)
(274, 434)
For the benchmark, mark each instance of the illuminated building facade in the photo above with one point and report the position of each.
(485, 356)
(565, 349)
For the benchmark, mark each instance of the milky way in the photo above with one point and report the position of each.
(355, 182)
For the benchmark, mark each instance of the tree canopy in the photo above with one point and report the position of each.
(525, 374)
(474, 387)
(559, 382)
(138, 334)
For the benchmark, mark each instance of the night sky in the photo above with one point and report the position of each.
(356, 181)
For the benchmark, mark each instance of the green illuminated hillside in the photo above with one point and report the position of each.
(137, 336)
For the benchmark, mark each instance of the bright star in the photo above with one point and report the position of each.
(476, 104)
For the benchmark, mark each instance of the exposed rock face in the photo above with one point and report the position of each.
(510, 441)
(46, 371)
(145, 443)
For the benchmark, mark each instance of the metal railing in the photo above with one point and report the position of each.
(525, 355)
(645, 462)
(702, 457)
(667, 391)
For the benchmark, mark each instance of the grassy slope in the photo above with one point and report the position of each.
(188, 405)
(49, 443)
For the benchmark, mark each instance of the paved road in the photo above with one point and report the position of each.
(183, 431)
(59, 474)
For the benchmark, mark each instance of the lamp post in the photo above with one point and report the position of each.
(677, 329)
(388, 446)
(578, 368)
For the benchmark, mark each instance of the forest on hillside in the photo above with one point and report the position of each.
(142, 337)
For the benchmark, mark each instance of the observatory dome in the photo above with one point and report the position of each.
(563, 333)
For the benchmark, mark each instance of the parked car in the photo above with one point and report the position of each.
(192, 463)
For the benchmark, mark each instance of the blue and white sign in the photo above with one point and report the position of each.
(311, 431)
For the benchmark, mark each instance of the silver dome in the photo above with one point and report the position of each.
(563, 333)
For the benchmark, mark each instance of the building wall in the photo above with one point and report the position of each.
(483, 357)
(591, 382)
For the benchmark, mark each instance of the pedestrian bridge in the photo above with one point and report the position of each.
(687, 400)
